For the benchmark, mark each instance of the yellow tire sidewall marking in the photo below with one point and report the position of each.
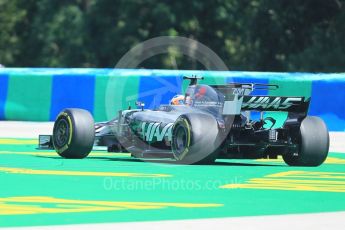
(187, 126)
(186, 150)
(70, 127)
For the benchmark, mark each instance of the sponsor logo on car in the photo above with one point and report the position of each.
(270, 102)
(156, 131)
(240, 91)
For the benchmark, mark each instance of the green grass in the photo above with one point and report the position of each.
(186, 185)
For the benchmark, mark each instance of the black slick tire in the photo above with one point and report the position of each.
(73, 133)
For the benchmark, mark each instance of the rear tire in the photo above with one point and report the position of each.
(73, 133)
(314, 144)
(195, 139)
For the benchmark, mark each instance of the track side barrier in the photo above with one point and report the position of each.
(38, 94)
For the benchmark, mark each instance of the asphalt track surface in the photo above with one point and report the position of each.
(38, 188)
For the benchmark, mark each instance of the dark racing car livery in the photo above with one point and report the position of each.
(214, 121)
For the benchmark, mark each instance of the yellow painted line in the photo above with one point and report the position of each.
(335, 160)
(278, 160)
(39, 153)
(329, 160)
(308, 174)
(77, 173)
(314, 186)
(45, 153)
(277, 181)
(44, 204)
(297, 181)
(8, 141)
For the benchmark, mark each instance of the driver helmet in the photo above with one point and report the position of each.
(177, 100)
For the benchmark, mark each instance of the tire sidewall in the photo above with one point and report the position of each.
(81, 133)
(313, 143)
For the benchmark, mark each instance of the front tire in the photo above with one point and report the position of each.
(314, 144)
(73, 133)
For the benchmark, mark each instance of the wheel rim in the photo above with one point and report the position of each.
(61, 133)
(179, 141)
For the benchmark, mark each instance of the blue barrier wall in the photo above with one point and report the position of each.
(38, 94)
(3, 94)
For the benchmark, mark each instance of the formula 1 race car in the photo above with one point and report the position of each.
(212, 121)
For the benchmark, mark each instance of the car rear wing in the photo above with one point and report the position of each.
(237, 98)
